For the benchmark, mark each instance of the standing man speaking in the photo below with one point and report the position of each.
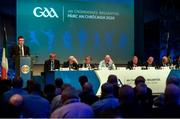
(18, 51)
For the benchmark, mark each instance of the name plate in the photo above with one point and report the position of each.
(64, 69)
(137, 68)
(165, 68)
(84, 69)
(151, 68)
(121, 68)
(104, 68)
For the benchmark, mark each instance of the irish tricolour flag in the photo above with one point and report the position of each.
(4, 62)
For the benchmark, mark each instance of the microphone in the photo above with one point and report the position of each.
(120, 82)
(107, 64)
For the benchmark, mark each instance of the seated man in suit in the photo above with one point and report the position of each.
(149, 62)
(165, 62)
(72, 63)
(107, 63)
(133, 63)
(176, 63)
(52, 63)
(88, 63)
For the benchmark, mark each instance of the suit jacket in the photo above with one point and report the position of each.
(73, 66)
(177, 64)
(15, 54)
(91, 65)
(47, 65)
(130, 64)
(35, 106)
(164, 65)
(110, 65)
(16, 51)
(147, 65)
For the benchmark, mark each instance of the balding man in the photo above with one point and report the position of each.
(17, 84)
(165, 62)
(16, 100)
(107, 63)
(34, 105)
(72, 107)
(13, 108)
(149, 62)
(134, 62)
(52, 63)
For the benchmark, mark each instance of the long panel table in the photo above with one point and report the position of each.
(155, 79)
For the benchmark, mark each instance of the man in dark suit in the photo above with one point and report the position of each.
(165, 62)
(88, 63)
(18, 51)
(176, 63)
(149, 62)
(52, 63)
(133, 63)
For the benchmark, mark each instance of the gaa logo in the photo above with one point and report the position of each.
(25, 69)
(45, 12)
